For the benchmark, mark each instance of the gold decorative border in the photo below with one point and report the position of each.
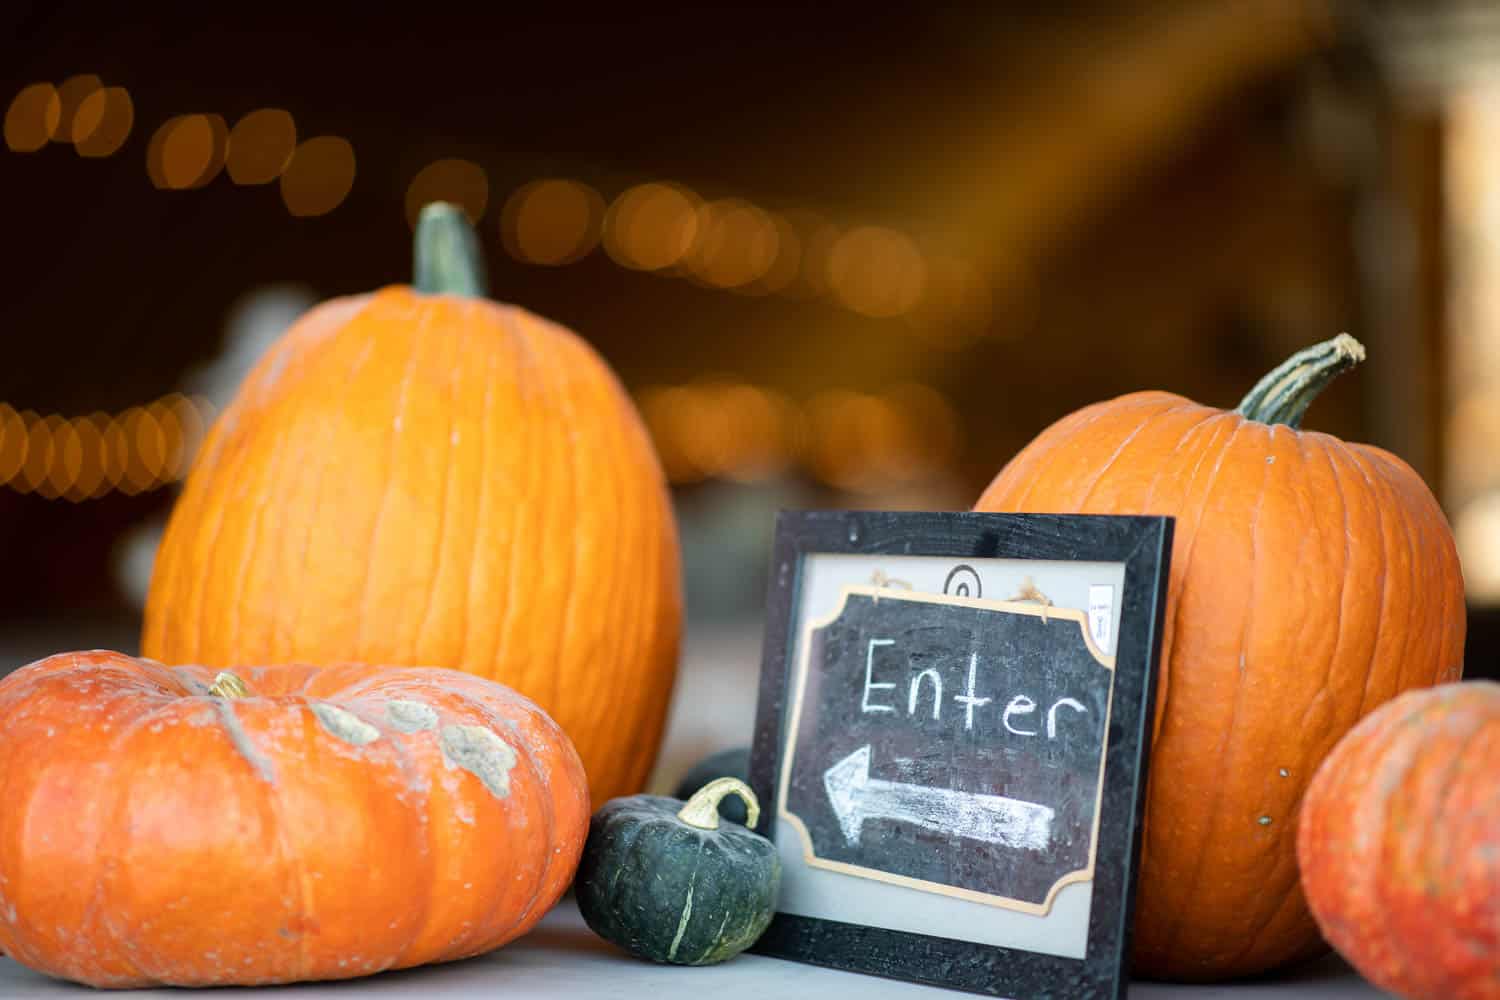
(804, 657)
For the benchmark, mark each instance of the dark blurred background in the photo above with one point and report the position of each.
(842, 255)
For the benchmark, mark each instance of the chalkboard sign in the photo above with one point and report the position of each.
(952, 727)
(950, 741)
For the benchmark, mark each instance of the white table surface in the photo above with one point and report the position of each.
(563, 958)
(713, 707)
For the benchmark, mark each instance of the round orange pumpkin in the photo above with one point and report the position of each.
(423, 477)
(164, 826)
(1311, 580)
(1399, 844)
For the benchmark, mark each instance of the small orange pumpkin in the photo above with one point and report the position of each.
(1399, 844)
(1311, 581)
(167, 826)
(423, 477)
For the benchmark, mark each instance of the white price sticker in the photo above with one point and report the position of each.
(1101, 613)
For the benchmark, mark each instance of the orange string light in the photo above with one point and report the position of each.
(82, 458)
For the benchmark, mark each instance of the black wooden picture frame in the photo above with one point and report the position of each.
(1143, 545)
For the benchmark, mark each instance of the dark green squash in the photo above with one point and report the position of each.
(731, 763)
(669, 882)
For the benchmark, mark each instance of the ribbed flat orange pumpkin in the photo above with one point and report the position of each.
(424, 477)
(1311, 580)
(170, 826)
(1399, 844)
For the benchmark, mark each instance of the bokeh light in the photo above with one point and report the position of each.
(91, 456)
(651, 226)
(736, 243)
(260, 145)
(855, 441)
(116, 453)
(461, 182)
(819, 237)
(13, 443)
(787, 263)
(103, 122)
(956, 303)
(72, 92)
(66, 459)
(147, 449)
(853, 436)
(319, 176)
(89, 475)
(187, 151)
(552, 222)
(876, 271)
(33, 474)
(33, 118)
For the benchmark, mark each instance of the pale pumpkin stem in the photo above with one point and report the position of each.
(1283, 396)
(448, 260)
(228, 684)
(702, 810)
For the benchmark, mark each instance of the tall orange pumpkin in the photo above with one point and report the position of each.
(422, 477)
(1311, 581)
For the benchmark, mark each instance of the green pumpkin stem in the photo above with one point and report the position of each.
(702, 810)
(448, 260)
(1283, 396)
(228, 684)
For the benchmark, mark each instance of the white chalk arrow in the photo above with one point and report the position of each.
(856, 797)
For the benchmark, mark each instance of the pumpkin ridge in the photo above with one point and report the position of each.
(1384, 586)
(297, 607)
(1227, 745)
(253, 533)
(1356, 874)
(1175, 597)
(519, 338)
(112, 854)
(566, 628)
(196, 605)
(610, 602)
(483, 429)
(1394, 768)
(1407, 965)
(1187, 541)
(549, 816)
(1163, 667)
(1108, 464)
(1087, 419)
(1047, 444)
(440, 532)
(1287, 893)
(1441, 860)
(516, 337)
(392, 452)
(421, 804)
(1326, 448)
(291, 861)
(1406, 478)
(1420, 594)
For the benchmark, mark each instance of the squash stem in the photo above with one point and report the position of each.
(228, 684)
(1284, 395)
(448, 260)
(702, 810)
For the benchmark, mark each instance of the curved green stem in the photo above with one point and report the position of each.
(448, 260)
(1283, 396)
(702, 810)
